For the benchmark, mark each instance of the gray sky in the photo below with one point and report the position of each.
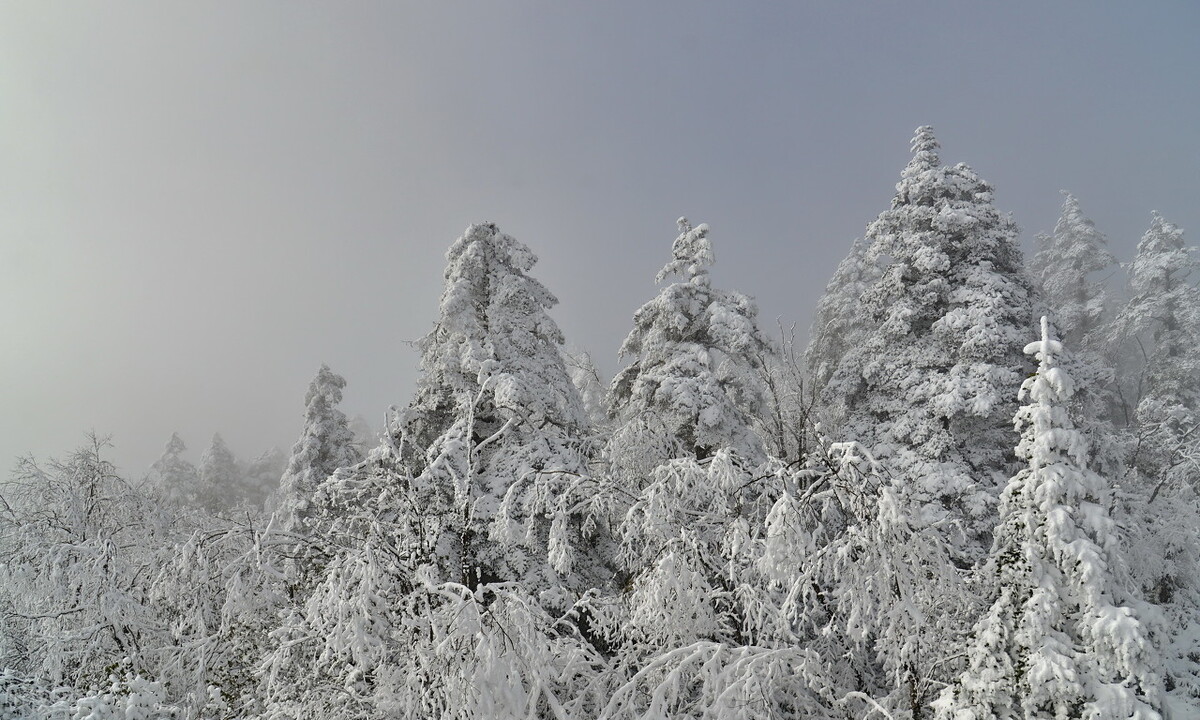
(201, 203)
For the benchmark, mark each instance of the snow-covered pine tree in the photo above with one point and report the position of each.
(494, 388)
(927, 388)
(687, 453)
(840, 321)
(1075, 299)
(248, 576)
(326, 444)
(1160, 329)
(465, 544)
(1055, 642)
(696, 383)
(177, 479)
(593, 390)
(262, 477)
(1158, 332)
(221, 482)
(1067, 262)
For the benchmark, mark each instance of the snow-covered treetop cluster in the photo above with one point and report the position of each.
(922, 515)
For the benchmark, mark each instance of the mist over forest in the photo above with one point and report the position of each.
(359, 363)
(972, 494)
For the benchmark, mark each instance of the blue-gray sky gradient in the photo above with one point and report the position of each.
(200, 203)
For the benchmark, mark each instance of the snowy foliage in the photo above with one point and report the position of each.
(177, 479)
(932, 380)
(1067, 264)
(1157, 333)
(1162, 318)
(696, 382)
(496, 418)
(728, 530)
(1070, 267)
(325, 445)
(221, 481)
(840, 321)
(1055, 643)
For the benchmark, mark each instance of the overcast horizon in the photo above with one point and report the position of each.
(203, 204)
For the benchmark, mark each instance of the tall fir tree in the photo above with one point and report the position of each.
(326, 444)
(696, 382)
(1158, 332)
(176, 478)
(1056, 642)
(496, 396)
(1072, 292)
(1067, 262)
(840, 321)
(221, 481)
(927, 388)
(463, 530)
(1160, 327)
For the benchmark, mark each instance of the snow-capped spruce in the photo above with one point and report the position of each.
(220, 478)
(1055, 643)
(176, 478)
(840, 321)
(929, 385)
(326, 444)
(1066, 265)
(696, 381)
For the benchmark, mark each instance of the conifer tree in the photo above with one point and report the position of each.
(464, 545)
(176, 478)
(927, 388)
(1160, 327)
(1158, 332)
(326, 444)
(1055, 642)
(496, 401)
(840, 321)
(696, 383)
(1076, 301)
(221, 482)
(262, 477)
(1066, 263)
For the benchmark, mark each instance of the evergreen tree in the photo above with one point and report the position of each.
(1055, 642)
(1067, 262)
(221, 481)
(840, 321)
(696, 383)
(326, 444)
(465, 542)
(496, 395)
(1076, 301)
(593, 390)
(1160, 329)
(365, 436)
(927, 388)
(176, 478)
(262, 477)
(1158, 332)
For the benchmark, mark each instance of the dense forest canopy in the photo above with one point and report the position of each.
(972, 495)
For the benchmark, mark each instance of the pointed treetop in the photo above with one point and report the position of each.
(1045, 350)
(1070, 202)
(925, 148)
(1162, 236)
(175, 445)
(691, 254)
(327, 384)
(1072, 218)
